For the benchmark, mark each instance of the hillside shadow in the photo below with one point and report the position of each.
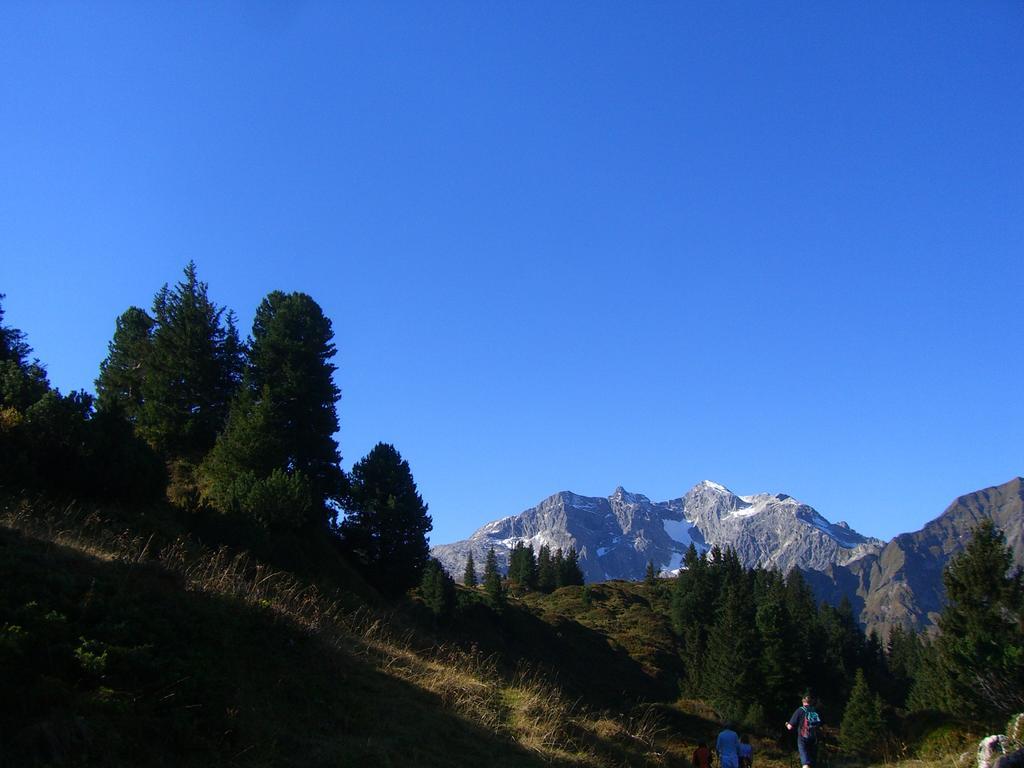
(117, 664)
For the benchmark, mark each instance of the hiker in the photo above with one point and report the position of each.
(806, 721)
(726, 747)
(702, 756)
(746, 753)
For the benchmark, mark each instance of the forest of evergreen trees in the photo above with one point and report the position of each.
(243, 430)
(753, 638)
(188, 411)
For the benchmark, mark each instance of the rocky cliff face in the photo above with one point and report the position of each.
(902, 582)
(617, 536)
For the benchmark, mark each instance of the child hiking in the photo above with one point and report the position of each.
(806, 722)
(702, 756)
(746, 752)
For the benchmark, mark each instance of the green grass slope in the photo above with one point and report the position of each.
(114, 663)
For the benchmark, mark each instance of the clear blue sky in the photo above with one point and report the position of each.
(564, 245)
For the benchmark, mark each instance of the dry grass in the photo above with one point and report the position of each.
(529, 709)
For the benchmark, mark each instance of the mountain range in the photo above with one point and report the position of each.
(888, 583)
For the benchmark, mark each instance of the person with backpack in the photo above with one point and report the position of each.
(746, 752)
(806, 721)
(702, 756)
(727, 747)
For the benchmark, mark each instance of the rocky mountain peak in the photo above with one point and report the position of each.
(623, 496)
(617, 535)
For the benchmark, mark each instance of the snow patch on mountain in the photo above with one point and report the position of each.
(678, 530)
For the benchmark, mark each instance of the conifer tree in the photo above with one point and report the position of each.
(192, 370)
(863, 727)
(492, 579)
(469, 575)
(119, 385)
(522, 568)
(290, 365)
(803, 615)
(437, 589)
(22, 381)
(650, 576)
(930, 688)
(778, 667)
(731, 682)
(692, 612)
(903, 653)
(57, 443)
(546, 578)
(570, 573)
(558, 567)
(981, 640)
(13, 347)
(386, 522)
(841, 648)
(283, 419)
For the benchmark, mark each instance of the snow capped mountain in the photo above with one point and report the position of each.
(617, 536)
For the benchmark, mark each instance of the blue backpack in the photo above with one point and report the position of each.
(811, 723)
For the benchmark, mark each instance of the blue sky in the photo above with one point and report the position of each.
(564, 245)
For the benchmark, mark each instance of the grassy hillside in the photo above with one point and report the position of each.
(130, 638)
(143, 647)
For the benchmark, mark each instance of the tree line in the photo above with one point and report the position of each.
(752, 638)
(187, 410)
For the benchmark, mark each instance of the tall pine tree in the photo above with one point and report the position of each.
(437, 589)
(469, 574)
(492, 580)
(546, 577)
(120, 383)
(863, 728)
(981, 640)
(386, 522)
(192, 370)
(282, 423)
(732, 683)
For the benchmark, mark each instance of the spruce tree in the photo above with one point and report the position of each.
(290, 366)
(545, 570)
(650, 576)
(981, 640)
(522, 568)
(120, 383)
(437, 589)
(192, 370)
(903, 653)
(841, 648)
(863, 728)
(731, 682)
(930, 688)
(492, 580)
(469, 574)
(693, 613)
(777, 665)
(284, 417)
(571, 573)
(386, 522)
(803, 614)
(558, 567)
(22, 381)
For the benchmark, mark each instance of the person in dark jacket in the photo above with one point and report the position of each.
(806, 722)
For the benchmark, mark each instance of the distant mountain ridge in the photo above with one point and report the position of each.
(899, 582)
(902, 582)
(617, 535)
